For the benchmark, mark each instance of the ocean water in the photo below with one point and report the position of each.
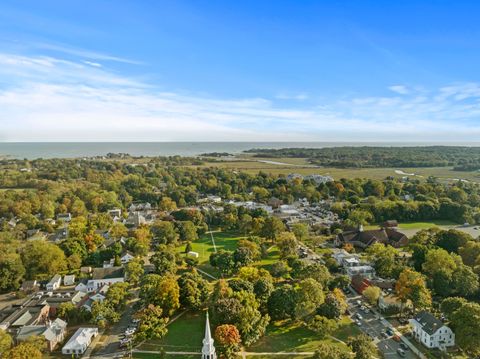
(33, 150)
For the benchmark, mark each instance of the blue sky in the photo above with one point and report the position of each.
(239, 70)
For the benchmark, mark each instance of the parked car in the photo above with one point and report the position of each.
(396, 338)
(401, 352)
(389, 331)
(358, 316)
(404, 346)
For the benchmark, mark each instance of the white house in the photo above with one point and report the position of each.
(54, 283)
(69, 279)
(431, 332)
(80, 341)
(82, 286)
(126, 257)
(105, 276)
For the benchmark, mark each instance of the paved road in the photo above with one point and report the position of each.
(372, 325)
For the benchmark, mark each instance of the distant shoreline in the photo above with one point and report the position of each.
(33, 150)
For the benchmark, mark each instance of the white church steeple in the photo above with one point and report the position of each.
(208, 350)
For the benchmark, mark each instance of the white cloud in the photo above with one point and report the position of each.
(400, 89)
(52, 99)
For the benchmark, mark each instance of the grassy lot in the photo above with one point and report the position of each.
(419, 225)
(300, 165)
(273, 256)
(204, 247)
(184, 334)
(293, 337)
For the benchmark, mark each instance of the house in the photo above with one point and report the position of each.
(54, 283)
(360, 283)
(80, 341)
(318, 179)
(275, 202)
(126, 257)
(69, 279)
(392, 223)
(431, 332)
(17, 316)
(103, 276)
(59, 235)
(64, 217)
(86, 270)
(363, 239)
(116, 212)
(135, 219)
(392, 302)
(54, 332)
(29, 286)
(365, 270)
(82, 286)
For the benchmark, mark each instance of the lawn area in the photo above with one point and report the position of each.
(290, 336)
(273, 256)
(419, 225)
(204, 247)
(184, 334)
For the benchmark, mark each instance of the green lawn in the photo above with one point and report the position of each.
(204, 247)
(419, 225)
(184, 334)
(273, 256)
(293, 337)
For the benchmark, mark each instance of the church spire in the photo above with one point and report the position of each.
(208, 350)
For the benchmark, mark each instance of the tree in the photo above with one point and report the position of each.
(384, 259)
(301, 231)
(465, 281)
(452, 240)
(223, 260)
(309, 296)
(164, 232)
(194, 290)
(329, 351)
(372, 294)
(450, 305)
(43, 259)
(141, 244)
(188, 231)
(164, 260)
(263, 288)
(228, 340)
(281, 304)
(104, 314)
(362, 347)
(411, 286)
(134, 271)
(272, 227)
(466, 324)
(359, 217)
(287, 243)
(152, 324)
(5, 341)
(470, 253)
(11, 271)
(22, 351)
(117, 295)
(161, 291)
(279, 269)
(118, 231)
(334, 306)
(322, 325)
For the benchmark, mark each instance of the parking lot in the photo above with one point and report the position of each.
(375, 326)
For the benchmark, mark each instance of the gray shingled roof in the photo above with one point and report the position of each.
(429, 323)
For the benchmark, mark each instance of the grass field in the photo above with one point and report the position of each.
(184, 334)
(300, 165)
(204, 247)
(293, 337)
(420, 225)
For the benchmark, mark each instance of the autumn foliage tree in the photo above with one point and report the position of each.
(228, 339)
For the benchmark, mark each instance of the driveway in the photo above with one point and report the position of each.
(374, 325)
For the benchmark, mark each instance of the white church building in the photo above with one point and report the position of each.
(208, 350)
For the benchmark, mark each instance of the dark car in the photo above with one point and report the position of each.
(404, 346)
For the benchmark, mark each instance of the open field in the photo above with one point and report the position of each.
(293, 337)
(204, 247)
(184, 334)
(300, 165)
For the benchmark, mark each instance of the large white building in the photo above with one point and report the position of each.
(208, 350)
(431, 332)
(80, 341)
(105, 276)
